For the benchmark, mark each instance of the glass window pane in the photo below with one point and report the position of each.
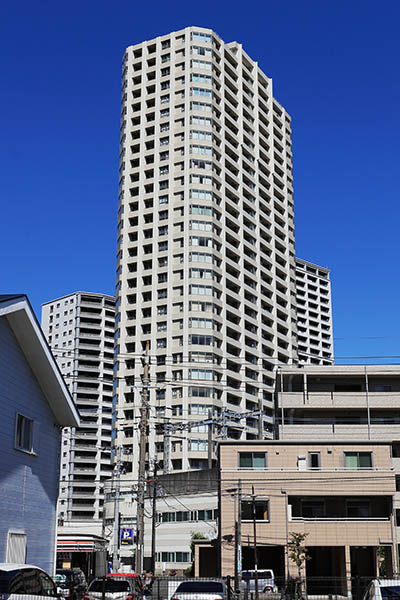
(365, 460)
(350, 460)
(259, 460)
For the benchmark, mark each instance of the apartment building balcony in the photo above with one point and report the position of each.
(348, 400)
(336, 431)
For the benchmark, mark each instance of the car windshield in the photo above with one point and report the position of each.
(111, 586)
(260, 574)
(390, 591)
(200, 586)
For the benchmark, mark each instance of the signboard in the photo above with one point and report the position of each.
(126, 536)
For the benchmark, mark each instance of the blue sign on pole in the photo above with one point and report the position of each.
(126, 536)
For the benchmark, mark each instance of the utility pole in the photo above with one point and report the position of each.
(255, 539)
(115, 561)
(142, 461)
(238, 535)
(167, 445)
(154, 520)
(210, 439)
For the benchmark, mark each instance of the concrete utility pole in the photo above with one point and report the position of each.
(115, 547)
(154, 520)
(253, 496)
(144, 411)
(210, 439)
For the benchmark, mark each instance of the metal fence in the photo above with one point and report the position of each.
(311, 588)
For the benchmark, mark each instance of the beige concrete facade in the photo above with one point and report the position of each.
(79, 328)
(320, 501)
(205, 266)
(314, 313)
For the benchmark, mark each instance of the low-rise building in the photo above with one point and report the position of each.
(35, 405)
(340, 493)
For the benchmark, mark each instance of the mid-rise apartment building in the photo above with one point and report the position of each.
(340, 494)
(79, 328)
(314, 314)
(205, 264)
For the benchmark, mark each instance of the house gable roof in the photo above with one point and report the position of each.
(18, 311)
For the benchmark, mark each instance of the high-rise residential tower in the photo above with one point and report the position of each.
(314, 314)
(205, 265)
(80, 331)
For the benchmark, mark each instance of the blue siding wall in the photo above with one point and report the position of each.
(28, 484)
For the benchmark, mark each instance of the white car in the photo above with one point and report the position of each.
(200, 590)
(19, 581)
(113, 589)
(382, 589)
(265, 579)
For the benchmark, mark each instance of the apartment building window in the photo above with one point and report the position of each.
(201, 225)
(201, 290)
(203, 179)
(201, 92)
(164, 113)
(201, 150)
(198, 445)
(164, 99)
(206, 374)
(201, 323)
(201, 257)
(200, 78)
(201, 64)
(205, 38)
(24, 433)
(358, 509)
(201, 106)
(198, 209)
(201, 51)
(201, 273)
(314, 460)
(311, 509)
(259, 507)
(163, 200)
(201, 340)
(354, 461)
(252, 460)
(201, 135)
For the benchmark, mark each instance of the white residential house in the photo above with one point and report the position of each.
(36, 405)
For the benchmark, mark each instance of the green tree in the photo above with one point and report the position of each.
(297, 550)
(195, 535)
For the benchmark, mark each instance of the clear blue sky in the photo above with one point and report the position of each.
(335, 66)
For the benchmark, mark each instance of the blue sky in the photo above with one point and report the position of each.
(335, 67)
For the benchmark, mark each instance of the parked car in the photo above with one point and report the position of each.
(114, 589)
(266, 581)
(18, 581)
(135, 580)
(379, 589)
(200, 590)
(71, 583)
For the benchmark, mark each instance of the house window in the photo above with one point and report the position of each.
(24, 433)
(358, 509)
(311, 509)
(258, 509)
(252, 460)
(314, 460)
(357, 460)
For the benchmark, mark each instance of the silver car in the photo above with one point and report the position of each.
(18, 581)
(200, 590)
